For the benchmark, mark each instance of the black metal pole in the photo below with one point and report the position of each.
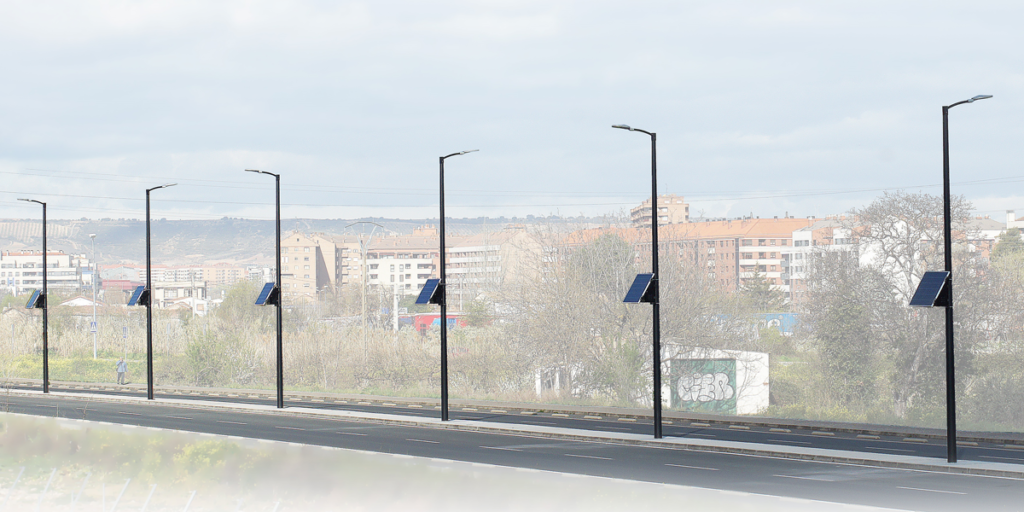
(656, 331)
(46, 307)
(947, 231)
(444, 310)
(280, 301)
(149, 306)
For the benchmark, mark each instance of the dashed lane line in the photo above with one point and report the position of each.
(424, 441)
(588, 457)
(501, 448)
(931, 490)
(231, 422)
(692, 467)
(289, 428)
(351, 433)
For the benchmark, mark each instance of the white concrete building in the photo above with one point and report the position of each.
(22, 271)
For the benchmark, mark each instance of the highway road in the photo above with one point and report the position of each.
(842, 483)
(793, 437)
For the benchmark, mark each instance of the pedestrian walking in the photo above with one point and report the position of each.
(122, 368)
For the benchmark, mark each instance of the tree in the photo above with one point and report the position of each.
(1009, 243)
(762, 295)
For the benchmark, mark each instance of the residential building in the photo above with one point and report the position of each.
(1012, 221)
(672, 209)
(304, 271)
(22, 271)
(404, 262)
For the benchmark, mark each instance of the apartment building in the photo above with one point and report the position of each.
(490, 260)
(23, 271)
(672, 209)
(404, 262)
(304, 269)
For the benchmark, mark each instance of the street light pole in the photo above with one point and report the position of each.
(149, 301)
(364, 246)
(95, 273)
(46, 307)
(947, 232)
(656, 294)
(444, 299)
(280, 302)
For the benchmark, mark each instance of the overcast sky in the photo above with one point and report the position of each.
(809, 108)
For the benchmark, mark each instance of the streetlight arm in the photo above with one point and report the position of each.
(630, 128)
(459, 153)
(165, 185)
(263, 172)
(972, 100)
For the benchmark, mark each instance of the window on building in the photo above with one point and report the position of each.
(392, 268)
(772, 242)
(305, 276)
(305, 249)
(305, 267)
(392, 278)
(305, 285)
(306, 258)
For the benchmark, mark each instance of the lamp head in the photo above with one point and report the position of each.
(468, 151)
(31, 201)
(92, 235)
(979, 97)
(622, 127)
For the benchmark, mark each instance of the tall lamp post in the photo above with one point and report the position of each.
(280, 301)
(364, 246)
(149, 303)
(45, 307)
(444, 300)
(654, 295)
(95, 273)
(947, 231)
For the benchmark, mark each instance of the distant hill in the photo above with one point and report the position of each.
(225, 240)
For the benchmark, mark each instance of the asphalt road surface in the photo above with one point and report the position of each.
(795, 437)
(841, 483)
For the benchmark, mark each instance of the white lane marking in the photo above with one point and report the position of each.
(178, 417)
(691, 467)
(232, 422)
(614, 428)
(289, 428)
(545, 422)
(786, 441)
(802, 478)
(351, 433)
(129, 413)
(930, 490)
(423, 441)
(887, 449)
(700, 435)
(588, 457)
(501, 448)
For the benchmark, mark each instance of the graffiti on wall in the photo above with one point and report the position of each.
(703, 385)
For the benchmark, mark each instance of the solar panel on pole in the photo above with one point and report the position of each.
(638, 291)
(426, 295)
(930, 290)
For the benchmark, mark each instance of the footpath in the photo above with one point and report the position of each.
(295, 408)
